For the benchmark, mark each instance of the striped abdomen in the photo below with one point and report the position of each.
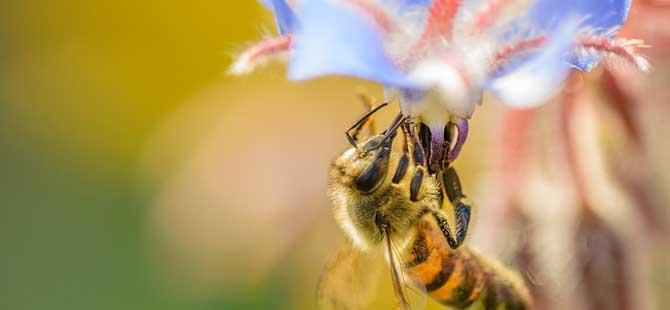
(460, 278)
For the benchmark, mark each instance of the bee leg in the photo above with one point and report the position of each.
(418, 157)
(425, 138)
(443, 224)
(445, 163)
(387, 135)
(358, 124)
(415, 186)
(390, 133)
(462, 209)
(461, 204)
(418, 152)
(403, 163)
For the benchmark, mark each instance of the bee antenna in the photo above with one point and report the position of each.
(391, 131)
(357, 124)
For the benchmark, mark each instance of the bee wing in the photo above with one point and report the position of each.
(349, 279)
(416, 294)
(409, 292)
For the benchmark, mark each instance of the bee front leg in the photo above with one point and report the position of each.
(418, 157)
(403, 163)
(418, 152)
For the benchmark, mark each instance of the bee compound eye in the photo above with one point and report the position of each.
(369, 179)
(374, 174)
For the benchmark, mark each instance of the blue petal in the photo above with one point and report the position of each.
(404, 4)
(267, 3)
(284, 15)
(333, 39)
(600, 15)
(539, 77)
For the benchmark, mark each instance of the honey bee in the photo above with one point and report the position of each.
(400, 216)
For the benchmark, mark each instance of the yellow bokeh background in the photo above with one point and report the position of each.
(136, 174)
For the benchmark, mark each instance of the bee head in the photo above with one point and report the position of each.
(378, 149)
(365, 167)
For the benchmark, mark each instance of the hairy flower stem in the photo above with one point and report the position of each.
(513, 144)
(600, 253)
(622, 103)
(568, 107)
(639, 183)
(602, 263)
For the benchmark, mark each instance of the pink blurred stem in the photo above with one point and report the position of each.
(513, 152)
(513, 145)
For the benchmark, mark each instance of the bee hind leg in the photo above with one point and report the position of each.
(462, 209)
(443, 224)
(461, 204)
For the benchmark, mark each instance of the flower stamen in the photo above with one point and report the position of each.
(487, 16)
(440, 20)
(504, 54)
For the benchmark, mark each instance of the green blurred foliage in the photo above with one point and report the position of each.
(82, 86)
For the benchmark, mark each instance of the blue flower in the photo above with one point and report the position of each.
(438, 57)
(284, 15)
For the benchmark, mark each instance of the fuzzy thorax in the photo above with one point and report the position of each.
(362, 216)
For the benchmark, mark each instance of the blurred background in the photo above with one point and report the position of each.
(135, 174)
